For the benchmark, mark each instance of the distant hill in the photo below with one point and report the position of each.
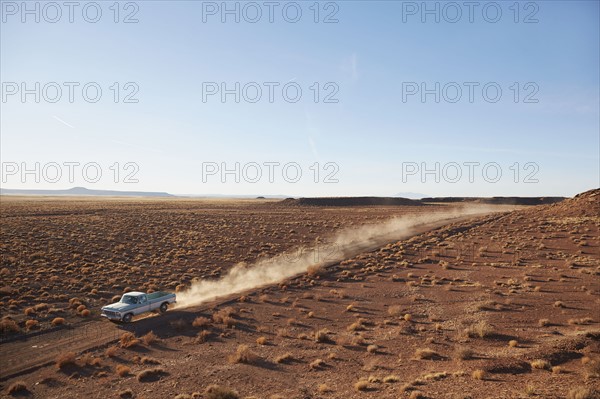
(586, 204)
(410, 195)
(498, 200)
(84, 191)
(395, 201)
(350, 201)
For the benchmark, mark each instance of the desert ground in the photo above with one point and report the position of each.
(497, 305)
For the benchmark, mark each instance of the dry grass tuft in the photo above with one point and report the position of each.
(149, 338)
(111, 351)
(8, 326)
(322, 336)
(583, 393)
(463, 353)
(18, 388)
(481, 329)
(285, 358)
(541, 364)
(58, 321)
(426, 354)
(31, 324)
(317, 364)
(479, 374)
(149, 375)
(128, 340)
(201, 322)
(324, 388)
(126, 394)
(361, 385)
(243, 354)
(391, 379)
(122, 370)
(217, 392)
(65, 359)
(543, 322)
(261, 340)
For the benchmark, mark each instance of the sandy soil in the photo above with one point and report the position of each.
(501, 306)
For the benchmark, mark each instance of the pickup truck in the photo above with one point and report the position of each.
(135, 303)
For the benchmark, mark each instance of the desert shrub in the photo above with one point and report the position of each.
(324, 388)
(8, 325)
(361, 385)
(65, 359)
(543, 322)
(391, 378)
(123, 370)
(356, 326)
(583, 393)
(462, 353)
(128, 340)
(261, 340)
(479, 374)
(322, 336)
(58, 321)
(395, 310)
(31, 324)
(426, 354)
(202, 336)
(201, 322)
(111, 351)
(316, 364)
(285, 358)
(592, 368)
(315, 270)
(126, 394)
(243, 354)
(149, 338)
(481, 329)
(149, 360)
(18, 388)
(217, 392)
(541, 364)
(29, 311)
(149, 375)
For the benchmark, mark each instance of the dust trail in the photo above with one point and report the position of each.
(346, 244)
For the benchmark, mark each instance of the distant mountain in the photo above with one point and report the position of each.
(85, 191)
(411, 195)
(350, 201)
(236, 196)
(498, 200)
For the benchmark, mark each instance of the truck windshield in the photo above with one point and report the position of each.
(131, 300)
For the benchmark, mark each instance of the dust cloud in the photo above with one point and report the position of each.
(347, 243)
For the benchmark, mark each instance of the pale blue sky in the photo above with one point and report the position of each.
(369, 133)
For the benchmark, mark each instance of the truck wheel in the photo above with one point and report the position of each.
(164, 307)
(127, 318)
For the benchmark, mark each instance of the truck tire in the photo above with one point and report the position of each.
(163, 307)
(127, 318)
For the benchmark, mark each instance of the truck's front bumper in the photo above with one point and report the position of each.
(111, 315)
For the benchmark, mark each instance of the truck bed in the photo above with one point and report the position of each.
(157, 294)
